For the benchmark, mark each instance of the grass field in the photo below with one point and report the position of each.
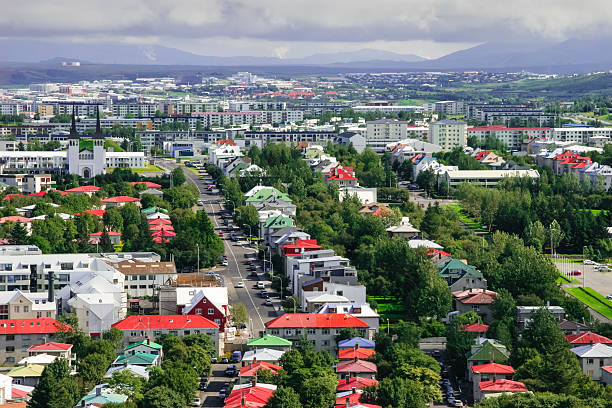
(150, 167)
(563, 280)
(592, 299)
(389, 308)
(470, 223)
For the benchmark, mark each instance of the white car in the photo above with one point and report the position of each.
(261, 285)
(588, 262)
(609, 297)
(240, 284)
(196, 402)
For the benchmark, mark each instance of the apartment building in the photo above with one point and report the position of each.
(506, 113)
(209, 119)
(447, 107)
(448, 134)
(24, 305)
(138, 328)
(381, 132)
(283, 116)
(257, 106)
(486, 178)
(137, 110)
(317, 266)
(260, 139)
(96, 312)
(18, 335)
(28, 183)
(188, 108)
(158, 138)
(319, 328)
(512, 137)
(143, 278)
(581, 134)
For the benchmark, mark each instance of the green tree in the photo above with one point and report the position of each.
(92, 368)
(239, 313)
(284, 397)
(163, 397)
(319, 391)
(19, 235)
(105, 243)
(178, 177)
(56, 388)
(127, 383)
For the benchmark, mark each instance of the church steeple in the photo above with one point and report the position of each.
(98, 134)
(73, 131)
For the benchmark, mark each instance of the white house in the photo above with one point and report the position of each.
(96, 312)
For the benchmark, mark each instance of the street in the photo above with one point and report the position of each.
(236, 269)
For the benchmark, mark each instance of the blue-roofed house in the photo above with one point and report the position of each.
(356, 341)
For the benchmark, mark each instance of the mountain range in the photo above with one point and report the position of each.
(538, 56)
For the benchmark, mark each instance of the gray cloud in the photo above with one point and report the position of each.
(314, 21)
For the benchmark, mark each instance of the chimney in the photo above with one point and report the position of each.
(148, 342)
(242, 402)
(355, 358)
(348, 402)
(98, 391)
(254, 381)
(51, 279)
(254, 359)
(356, 346)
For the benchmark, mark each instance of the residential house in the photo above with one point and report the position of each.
(351, 399)
(354, 383)
(264, 354)
(138, 371)
(211, 302)
(344, 176)
(363, 194)
(136, 328)
(249, 371)
(355, 353)
(592, 357)
(26, 305)
(606, 375)
(41, 359)
(404, 230)
(377, 209)
(300, 246)
(28, 375)
(356, 342)
(416, 243)
(96, 237)
(460, 276)
(316, 292)
(223, 155)
(356, 368)
(18, 335)
(587, 338)
(351, 139)
(145, 346)
(100, 398)
(268, 341)
(488, 372)
(274, 203)
(569, 327)
(138, 359)
(120, 201)
(523, 314)
(494, 388)
(152, 192)
(475, 300)
(320, 328)
(85, 190)
(143, 278)
(362, 311)
(58, 350)
(273, 223)
(488, 351)
(252, 394)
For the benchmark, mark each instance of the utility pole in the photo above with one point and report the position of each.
(198, 266)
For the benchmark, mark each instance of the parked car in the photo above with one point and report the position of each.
(230, 371)
(575, 272)
(458, 403)
(224, 360)
(609, 297)
(589, 262)
(224, 262)
(261, 285)
(214, 360)
(196, 402)
(268, 302)
(236, 356)
(222, 392)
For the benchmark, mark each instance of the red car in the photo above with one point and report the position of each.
(575, 272)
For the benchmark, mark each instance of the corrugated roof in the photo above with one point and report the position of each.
(151, 322)
(316, 320)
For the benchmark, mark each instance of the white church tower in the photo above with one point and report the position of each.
(73, 147)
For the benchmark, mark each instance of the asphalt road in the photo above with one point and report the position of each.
(236, 270)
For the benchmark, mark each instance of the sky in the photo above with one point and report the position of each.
(298, 28)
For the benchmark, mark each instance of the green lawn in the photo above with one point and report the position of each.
(150, 167)
(563, 280)
(469, 222)
(592, 299)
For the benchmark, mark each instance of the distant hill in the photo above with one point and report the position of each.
(29, 51)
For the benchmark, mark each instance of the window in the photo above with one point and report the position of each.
(133, 286)
(48, 314)
(325, 331)
(198, 311)
(10, 349)
(590, 361)
(66, 266)
(143, 286)
(26, 309)
(157, 332)
(211, 311)
(16, 309)
(10, 337)
(142, 277)
(218, 321)
(174, 332)
(64, 277)
(312, 331)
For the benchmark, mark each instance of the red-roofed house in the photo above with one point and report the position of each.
(44, 193)
(355, 352)
(120, 201)
(343, 176)
(496, 387)
(147, 184)
(567, 161)
(606, 375)
(356, 368)
(250, 395)
(354, 382)
(475, 300)
(249, 371)
(18, 335)
(224, 142)
(489, 371)
(87, 190)
(474, 328)
(352, 400)
(320, 328)
(18, 219)
(137, 328)
(587, 338)
(62, 350)
(98, 213)
(115, 237)
(300, 246)
(11, 196)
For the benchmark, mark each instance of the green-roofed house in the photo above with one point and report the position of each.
(139, 359)
(101, 398)
(461, 276)
(489, 351)
(144, 346)
(267, 193)
(273, 223)
(270, 342)
(153, 210)
(27, 375)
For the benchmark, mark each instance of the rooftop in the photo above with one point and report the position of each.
(316, 320)
(151, 322)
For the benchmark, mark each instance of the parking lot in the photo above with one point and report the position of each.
(592, 278)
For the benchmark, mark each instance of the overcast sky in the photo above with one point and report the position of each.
(296, 28)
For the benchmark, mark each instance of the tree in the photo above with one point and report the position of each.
(400, 393)
(239, 314)
(163, 397)
(248, 216)
(56, 388)
(284, 397)
(19, 235)
(127, 383)
(105, 243)
(92, 368)
(319, 391)
(543, 333)
(555, 235)
(459, 342)
(178, 177)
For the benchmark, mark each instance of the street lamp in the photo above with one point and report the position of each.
(294, 303)
(198, 266)
(387, 326)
